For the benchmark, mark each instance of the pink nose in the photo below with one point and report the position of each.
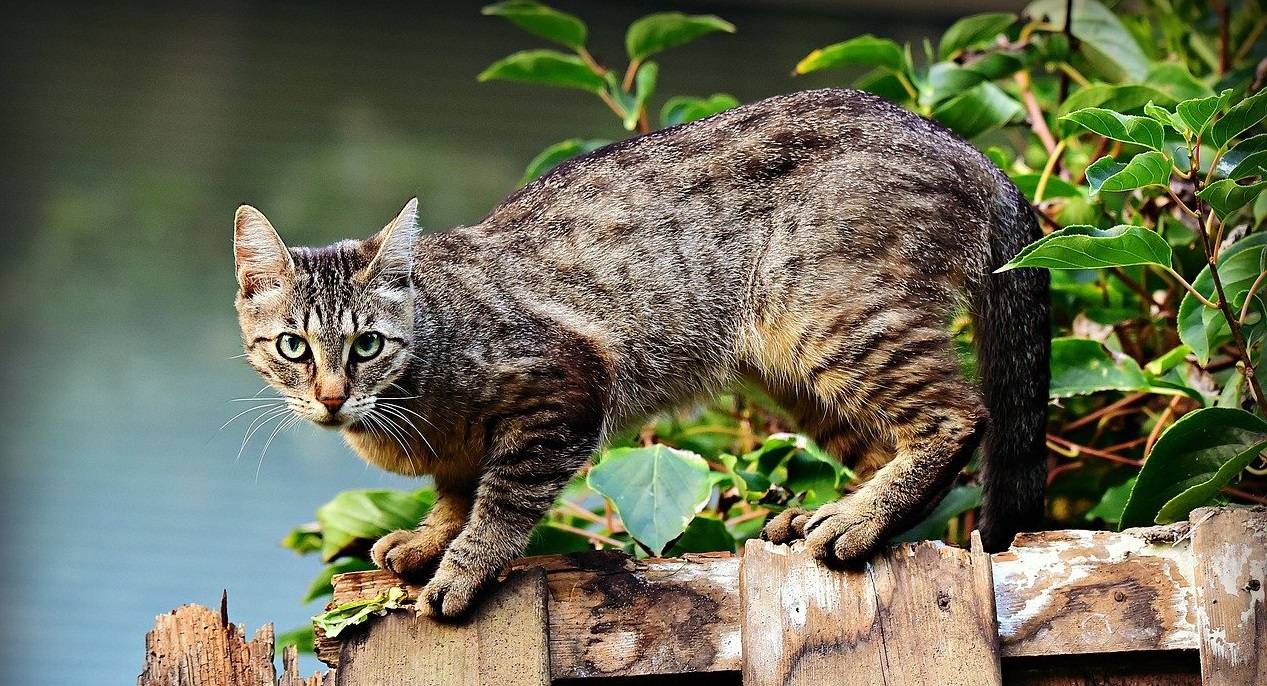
(334, 403)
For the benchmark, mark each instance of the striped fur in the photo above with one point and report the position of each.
(815, 243)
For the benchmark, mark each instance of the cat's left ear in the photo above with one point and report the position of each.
(393, 246)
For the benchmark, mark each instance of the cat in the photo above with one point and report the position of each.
(815, 243)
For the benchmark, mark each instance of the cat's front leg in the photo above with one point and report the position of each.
(515, 491)
(414, 554)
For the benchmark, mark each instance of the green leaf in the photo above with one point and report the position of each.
(1081, 366)
(1168, 361)
(1086, 247)
(946, 79)
(812, 478)
(1109, 509)
(1238, 120)
(548, 539)
(1227, 196)
(977, 110)
(1191, 461)
(996, 65)
(366, 515)
(656, 490)
(1056, 186)
(1120, 127)
(1252, 165)
(866, 49)
(681, 109)
(970, 32)
(1203, 328)
(358, 611)
(301, 637)
(704, 535)
(321, 586)
(644, 86)
(656, 32)
(1123, 99)
(1175, 80)
(542, 21)
(552, 156)
(1102, 38)
(303, 539)
(1145, 169)
(1197, 113)
(545, 67)
(1163, 116)
(959, 500)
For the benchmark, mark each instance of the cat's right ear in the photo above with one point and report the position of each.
(260, 256)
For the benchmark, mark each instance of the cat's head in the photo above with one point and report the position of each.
(330, 328)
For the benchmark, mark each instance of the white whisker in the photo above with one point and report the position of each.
(257, 424)
(247, 410)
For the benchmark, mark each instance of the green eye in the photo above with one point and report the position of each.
(367, 345)
(292, 347)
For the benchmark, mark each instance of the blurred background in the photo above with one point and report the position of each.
(132, 133)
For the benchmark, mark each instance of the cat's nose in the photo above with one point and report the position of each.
(333, 403)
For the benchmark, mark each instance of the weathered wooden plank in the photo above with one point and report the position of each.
(923, 613)
(503, 642)
(1229, 548)
(1078, 592)
(611, 615)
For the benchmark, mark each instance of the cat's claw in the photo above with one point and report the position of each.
(449, 594)
(408, 554)
(843, 532)
(786, 526)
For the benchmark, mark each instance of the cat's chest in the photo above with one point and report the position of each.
(408, 453)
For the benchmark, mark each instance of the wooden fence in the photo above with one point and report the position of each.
(1180, 604)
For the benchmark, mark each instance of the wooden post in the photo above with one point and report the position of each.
(1229, 547)
(503, 642)
(921, 613)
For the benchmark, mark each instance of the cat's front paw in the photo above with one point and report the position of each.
(408, 554)
(786, 526)
(450, 593)
(844, 531)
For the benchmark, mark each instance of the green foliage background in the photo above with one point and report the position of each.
(1136, 132)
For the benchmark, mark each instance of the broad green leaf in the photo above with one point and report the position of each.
(959, 500)
(303, 539)
(656, 490)
(321, 587)
(681, 109)
(996, 65)
(1250, 166)
(554, 155)
(366, 515)
(704, 535)
(1168, 361)
(1197, 113)
(813, 479)
(1145, 169)
(977, 110)
(970, 32)
(947, 79)
(542, 21)
(549, 539)
(1187, 464)
(1123, 99)
(644, 86)
(1086, 247)
(1056, 186)
(1120, 127)
(1227, 196)
(301, 637)
(1109, 509)
(1203, 328)
(545, 67)
(1102, 38)
(1239, 119)
(1081, 366)
(664, 30)
(333, 622)
(1163, 116)
(867, 49)
(1176, 81)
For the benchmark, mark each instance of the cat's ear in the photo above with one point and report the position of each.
(393, 247)
(260, 256)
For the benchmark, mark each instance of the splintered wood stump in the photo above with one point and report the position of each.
(922, 614)
(503, 642)
(1230, 559)
(196, 646)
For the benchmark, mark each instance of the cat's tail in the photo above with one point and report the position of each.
(1012, 324)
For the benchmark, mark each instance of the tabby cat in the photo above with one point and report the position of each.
(815, 244)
